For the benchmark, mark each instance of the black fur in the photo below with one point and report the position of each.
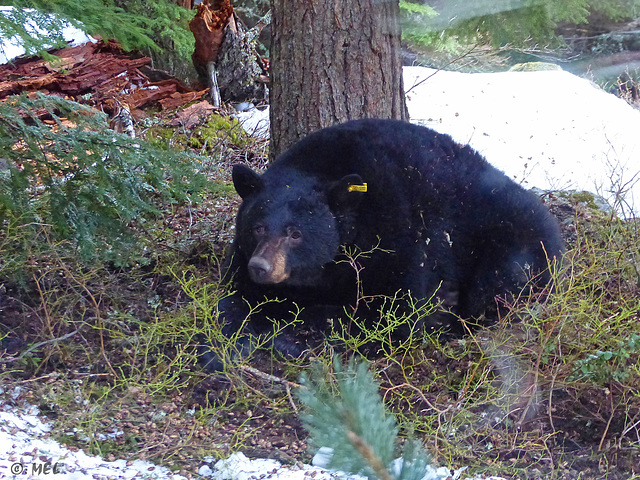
(437, 215)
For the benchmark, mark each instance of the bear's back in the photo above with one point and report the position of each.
(373, 147)
(399, 161)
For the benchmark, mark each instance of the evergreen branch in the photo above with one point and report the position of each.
(351, 420)
(81, 183)
(369, 455)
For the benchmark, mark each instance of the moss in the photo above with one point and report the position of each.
(219, 129)
(164, 137)
(584, 197)
(226, 188)
(217, 133)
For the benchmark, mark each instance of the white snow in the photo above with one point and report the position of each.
(547, 129)
(27, 451)
(255, 121)
(239, 467)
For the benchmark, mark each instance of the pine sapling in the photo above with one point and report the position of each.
(348, 415)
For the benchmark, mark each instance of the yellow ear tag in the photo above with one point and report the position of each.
(357, 188)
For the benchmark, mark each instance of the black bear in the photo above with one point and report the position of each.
(434, 218)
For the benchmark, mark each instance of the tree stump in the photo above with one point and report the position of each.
(225, 53)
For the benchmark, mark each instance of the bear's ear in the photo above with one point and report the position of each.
(347, 193)
(245, 180)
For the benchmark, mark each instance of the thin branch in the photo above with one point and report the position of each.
(266, 376)
(36, 346)
(439, 69)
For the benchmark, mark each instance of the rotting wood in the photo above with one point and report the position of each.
(99, 74)
(208, 27)
(208, 30)
(225, 53)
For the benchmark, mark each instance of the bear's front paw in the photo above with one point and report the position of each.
(289, 346)
(213, 357)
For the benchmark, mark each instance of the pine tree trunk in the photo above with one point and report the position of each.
(333, 61)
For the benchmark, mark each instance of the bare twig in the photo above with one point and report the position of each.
(606, 429)
(439, 69)
(36, 346)
(267, 376)
(272, 378)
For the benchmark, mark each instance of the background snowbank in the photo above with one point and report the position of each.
(547, 129)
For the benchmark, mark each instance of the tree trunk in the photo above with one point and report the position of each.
(333, 61)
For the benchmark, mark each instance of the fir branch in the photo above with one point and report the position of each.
(86, 181)
(355, 406)
(369, 455)
(348, 415)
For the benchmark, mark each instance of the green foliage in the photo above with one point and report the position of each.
(424, 11)
(219, 136)
(417, 26)
(355, 409)
(607, 365)
(77, 180)
(349, 416)
(18, 25)
(204, 297)
(513, 26)
(219, 129)
(160, 28)
(484, 21)
(168, 22)
(573, 11)
(168, 26)
(96, 17)
(498, 23)
(615, 9)
(399, 312)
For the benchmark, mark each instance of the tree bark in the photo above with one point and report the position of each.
(332, 61)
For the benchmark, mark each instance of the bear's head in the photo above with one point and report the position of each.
(289, 226)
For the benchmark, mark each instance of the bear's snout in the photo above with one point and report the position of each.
(259, 269)
(268, 264)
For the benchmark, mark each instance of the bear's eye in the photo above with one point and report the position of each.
(294, 233)
(258, 229)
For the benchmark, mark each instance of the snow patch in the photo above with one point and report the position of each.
(25, 443)
(546, 129)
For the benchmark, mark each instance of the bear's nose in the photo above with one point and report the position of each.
(259, 269)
